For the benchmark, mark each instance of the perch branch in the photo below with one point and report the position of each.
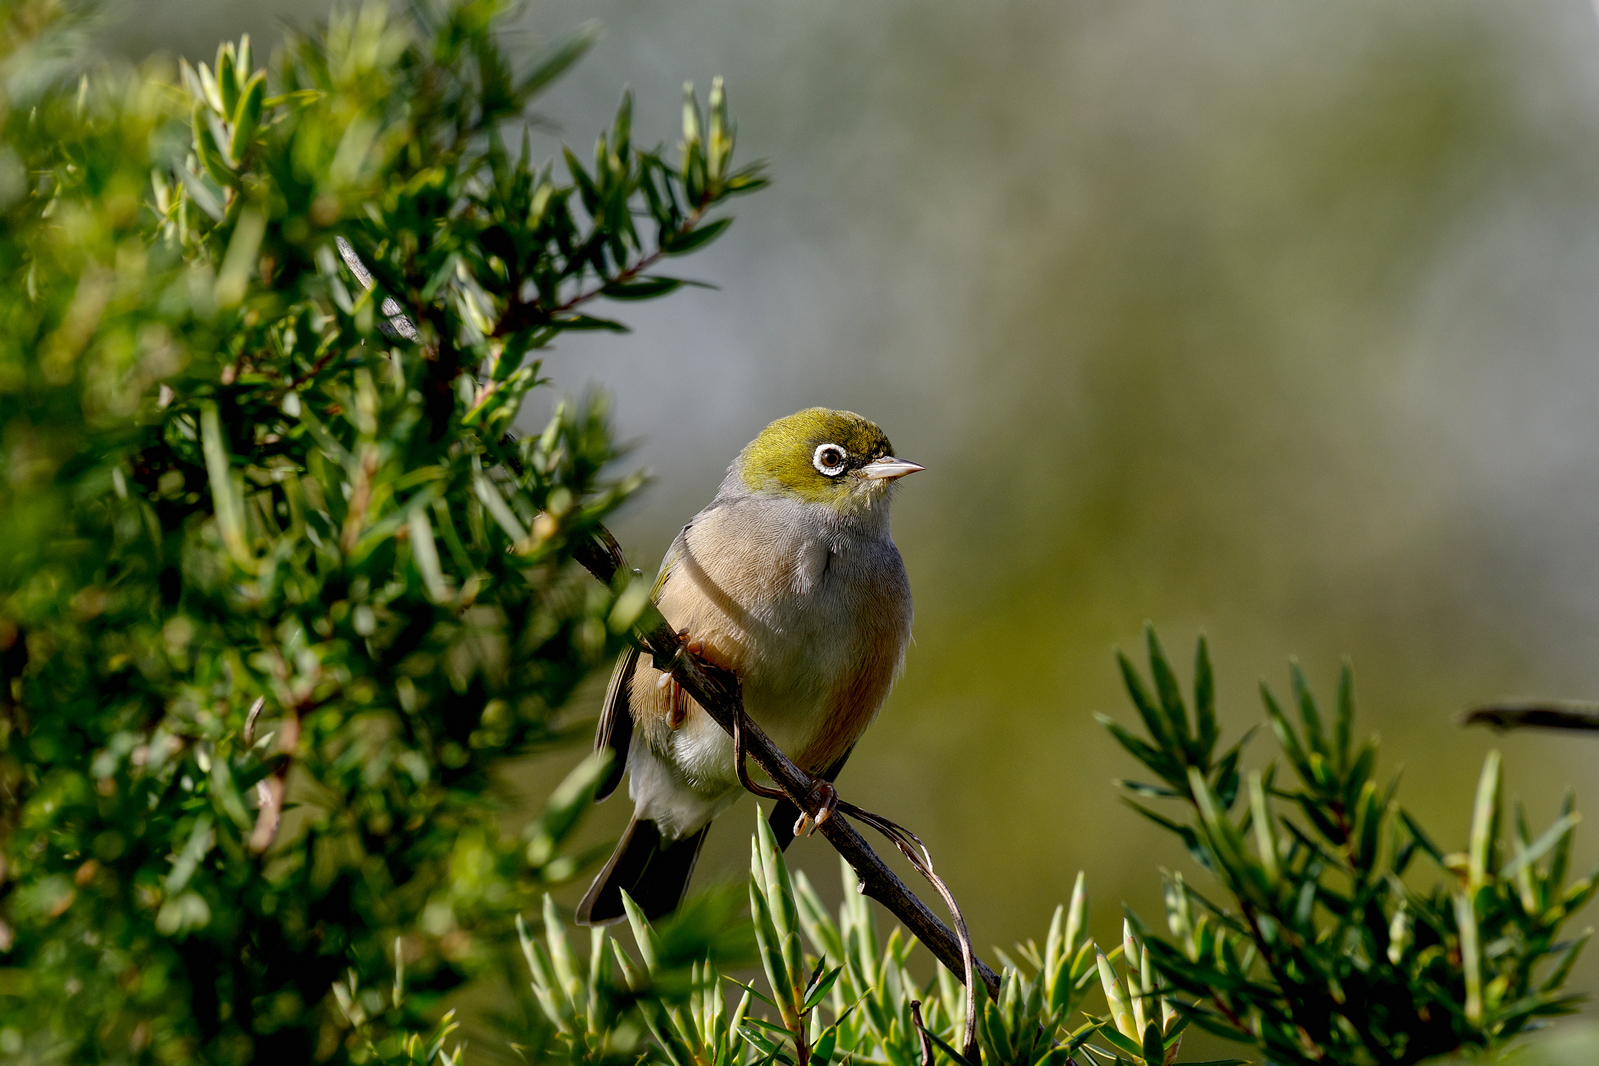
(717, 691)
(1544, 714)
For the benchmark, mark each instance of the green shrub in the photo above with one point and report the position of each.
(277, 588)
(1323, 951)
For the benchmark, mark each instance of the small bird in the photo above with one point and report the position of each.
(790, 579)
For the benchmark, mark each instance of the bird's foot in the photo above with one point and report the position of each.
(823, 797)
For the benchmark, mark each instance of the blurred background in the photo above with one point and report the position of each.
(1278, 322)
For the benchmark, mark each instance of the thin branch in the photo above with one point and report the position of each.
(717, 691)
(316, 368)
(911, 846)
(921, 1032)
(249, 720)
(1547, 714)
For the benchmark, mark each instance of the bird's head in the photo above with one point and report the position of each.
(834, 458)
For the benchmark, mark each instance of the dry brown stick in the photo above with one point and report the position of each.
(1543, 714)
(921, 1031)
(717, 691)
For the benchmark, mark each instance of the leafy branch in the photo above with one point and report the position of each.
(675, 198)
(1326, 953)
(276, 592)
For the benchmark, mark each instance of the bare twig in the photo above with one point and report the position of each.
(398, 324)
(316, 368)
(1545, 714)
(909, 844)
(741, 722)
(921, 1031)
(717, 691)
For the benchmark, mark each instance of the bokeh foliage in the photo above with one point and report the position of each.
(277, 589)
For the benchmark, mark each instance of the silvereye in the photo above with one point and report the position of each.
(791, 580)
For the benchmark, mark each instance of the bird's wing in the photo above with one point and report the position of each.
(615, 729)
(785, 814)
(669, 563)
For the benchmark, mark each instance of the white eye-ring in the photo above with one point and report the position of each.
(829, 459)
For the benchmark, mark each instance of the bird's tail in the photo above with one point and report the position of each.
(652, 870)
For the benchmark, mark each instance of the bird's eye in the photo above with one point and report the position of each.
(829, 459)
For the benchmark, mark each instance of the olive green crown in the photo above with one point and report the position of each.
(780, 458)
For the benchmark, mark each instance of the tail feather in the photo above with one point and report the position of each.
(654, 871)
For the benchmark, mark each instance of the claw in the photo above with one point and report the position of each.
(677, 708)
(696, 648)
(825, 797)
(677, 702)
(678, 713)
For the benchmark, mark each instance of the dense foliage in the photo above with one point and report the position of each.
(277, 590)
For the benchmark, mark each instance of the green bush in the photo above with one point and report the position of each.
(279, 588)
(1325, 951)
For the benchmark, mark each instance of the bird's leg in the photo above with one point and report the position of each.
(824, 797)
(740, 754)
(678, 713)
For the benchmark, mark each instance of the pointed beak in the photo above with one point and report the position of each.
(889, 468)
